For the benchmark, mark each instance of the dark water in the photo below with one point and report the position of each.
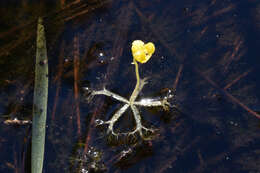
(205, 50)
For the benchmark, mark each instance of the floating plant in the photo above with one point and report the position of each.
(141, 53)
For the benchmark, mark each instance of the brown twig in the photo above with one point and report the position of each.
(205, 163)
(76, 81)
(204, 30)
(175, 156)
(219, 12)
(178, 77)
(232, 98)
(88, 136)
(34, 21)
(23, 161)
(223, 10)
(14, 29)
(75, 7)
(81, 12)
(86, 9)
(156, 32)
(236, 80)
(237, 45)
(15, 162)
(202, 162)
(62, 3)
(6, 49)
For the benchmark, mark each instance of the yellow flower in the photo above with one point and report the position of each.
(142, 52)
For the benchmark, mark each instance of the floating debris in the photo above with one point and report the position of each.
(16, 121)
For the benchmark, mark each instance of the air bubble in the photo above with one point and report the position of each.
(99, 122)
(88, 94)
(102, 58)
(170, 94)
(86, 88)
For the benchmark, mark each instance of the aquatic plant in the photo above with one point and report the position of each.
(141, 53)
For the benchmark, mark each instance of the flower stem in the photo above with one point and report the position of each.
(136, 90)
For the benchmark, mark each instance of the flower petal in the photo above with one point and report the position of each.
(150, 48)
(137, 45)
(140, 56)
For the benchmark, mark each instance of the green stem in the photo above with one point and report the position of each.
(135, 92)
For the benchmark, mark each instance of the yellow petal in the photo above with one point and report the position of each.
(140, 56)
(137, 45)
(150, 48)
(147, 57)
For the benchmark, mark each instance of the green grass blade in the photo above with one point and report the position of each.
(39, 101)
